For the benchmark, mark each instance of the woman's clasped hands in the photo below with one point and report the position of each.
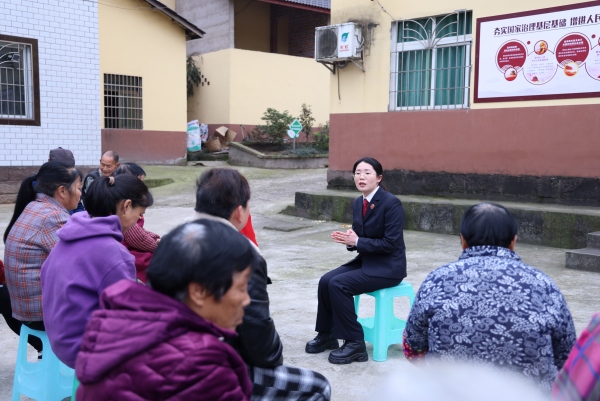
(348, 238)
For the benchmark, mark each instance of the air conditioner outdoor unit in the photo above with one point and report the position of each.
(338, 42)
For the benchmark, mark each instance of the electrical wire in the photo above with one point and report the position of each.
(245, 7)
(385, 11)
(146, 8)
(339, 96)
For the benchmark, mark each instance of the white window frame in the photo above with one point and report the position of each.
(431, 44)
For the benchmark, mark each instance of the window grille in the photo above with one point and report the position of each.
(431, 62)
(18, 81)
(123, 102)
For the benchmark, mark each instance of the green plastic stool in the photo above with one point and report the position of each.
(384, 329)
(75, 385)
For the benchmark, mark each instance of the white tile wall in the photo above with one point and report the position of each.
(67, 34)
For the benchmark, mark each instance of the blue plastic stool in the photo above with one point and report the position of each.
(384, 329)
(47, 379)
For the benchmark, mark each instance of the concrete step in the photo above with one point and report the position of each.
(593, 240)
(556, 226)
(584, 259)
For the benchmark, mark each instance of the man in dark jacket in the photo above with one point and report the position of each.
(224, 195)
(109, 162)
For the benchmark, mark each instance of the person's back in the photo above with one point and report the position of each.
(492, 308)
(88, 258)
(259, 342)
(162, 348)
(140, 242)
(27, 246)
(224, 195)
(169, 340)
(41, 209)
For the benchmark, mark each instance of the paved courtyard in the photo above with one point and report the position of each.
(299, 251)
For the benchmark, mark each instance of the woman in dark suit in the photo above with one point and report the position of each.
(378, 221)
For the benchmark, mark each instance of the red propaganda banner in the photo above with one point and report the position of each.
(552, 53)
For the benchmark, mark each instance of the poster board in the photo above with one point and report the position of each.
(553, 53)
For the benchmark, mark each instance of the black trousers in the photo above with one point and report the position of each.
(14, 324)
(336, 299)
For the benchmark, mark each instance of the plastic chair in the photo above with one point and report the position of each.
(47, 379)
(75, 385)
(384, 329)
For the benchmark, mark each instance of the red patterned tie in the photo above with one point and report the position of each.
(365, 204)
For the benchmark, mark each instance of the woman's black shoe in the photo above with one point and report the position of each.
(323, 341)
(349, 352)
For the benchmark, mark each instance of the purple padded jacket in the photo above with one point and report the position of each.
(142, 345)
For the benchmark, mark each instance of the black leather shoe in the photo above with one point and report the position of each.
(323, 341)
(349, 352)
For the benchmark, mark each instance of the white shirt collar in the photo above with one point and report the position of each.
(370, 196)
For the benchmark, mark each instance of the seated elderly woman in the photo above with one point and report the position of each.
(140, 242)
(88, 258)
(490, 307)
(170, 341)
(40, 210)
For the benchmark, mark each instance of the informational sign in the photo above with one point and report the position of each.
(552, 53)
(295, 127)
(294, 131)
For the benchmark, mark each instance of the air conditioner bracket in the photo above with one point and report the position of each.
(359, 63)
(326, 64)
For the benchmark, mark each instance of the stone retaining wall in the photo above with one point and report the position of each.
(578, 191)
(240, 155)
(538, 227)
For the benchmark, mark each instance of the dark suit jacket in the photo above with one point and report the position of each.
(381, 250)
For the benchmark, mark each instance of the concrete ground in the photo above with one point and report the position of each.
(299, 251)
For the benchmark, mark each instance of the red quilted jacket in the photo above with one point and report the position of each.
(2, 278)
(142, 345)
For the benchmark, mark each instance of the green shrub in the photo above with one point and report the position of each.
(304, 152)
(322, 138)
(193, 75)
(306, 119)
(275, 128)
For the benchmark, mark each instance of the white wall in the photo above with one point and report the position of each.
(69, 72)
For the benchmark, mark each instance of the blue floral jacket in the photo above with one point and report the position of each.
(490, 307)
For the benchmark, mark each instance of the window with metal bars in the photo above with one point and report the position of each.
(431, 62)
(123, 102)
(19, 81)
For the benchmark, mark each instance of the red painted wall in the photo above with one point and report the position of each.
(538, 141)
(150, 147)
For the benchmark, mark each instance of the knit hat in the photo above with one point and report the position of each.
(62, 155)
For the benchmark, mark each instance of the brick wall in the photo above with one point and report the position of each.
(69, 75)
(302, 24)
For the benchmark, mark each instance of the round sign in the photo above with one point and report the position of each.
(573, 48)
(592, 63)
(511, 55)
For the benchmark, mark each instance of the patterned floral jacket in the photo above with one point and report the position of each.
(492, 308)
